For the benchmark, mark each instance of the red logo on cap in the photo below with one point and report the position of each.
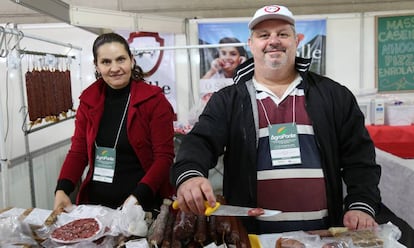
(272, 9)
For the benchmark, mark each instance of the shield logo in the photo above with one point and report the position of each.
(149, 60)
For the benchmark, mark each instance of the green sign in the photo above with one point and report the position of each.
(395, 53)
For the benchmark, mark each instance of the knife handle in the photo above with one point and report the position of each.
(209, 210)
(175, 205)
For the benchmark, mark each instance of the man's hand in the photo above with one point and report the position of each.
(192, 194)
(355, 220)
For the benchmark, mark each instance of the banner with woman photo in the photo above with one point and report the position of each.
(218, 63)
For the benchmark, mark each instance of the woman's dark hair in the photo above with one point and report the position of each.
(137, 72)
(240, 49)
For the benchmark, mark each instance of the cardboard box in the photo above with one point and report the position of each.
(399, 115)
(378, 111)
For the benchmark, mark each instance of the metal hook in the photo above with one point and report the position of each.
(3, 52)
(71, 47)
(3, 32)
(20, 36)
(68, 58)
(9, 40)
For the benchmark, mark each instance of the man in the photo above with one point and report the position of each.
(289, 137)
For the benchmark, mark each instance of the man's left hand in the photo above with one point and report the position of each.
(355, 220)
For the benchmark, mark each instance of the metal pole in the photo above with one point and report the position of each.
(17, 33)
(4, 163)
(26, 135)
(188, 47)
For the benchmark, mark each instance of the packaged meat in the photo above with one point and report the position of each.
(85, 229)
(289, 243)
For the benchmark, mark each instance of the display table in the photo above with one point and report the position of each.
(396, 184)
(397, 140)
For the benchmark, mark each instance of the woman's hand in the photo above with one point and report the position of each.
(131, 200)
(62, 201)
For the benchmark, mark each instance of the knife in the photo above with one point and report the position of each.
(229, 210)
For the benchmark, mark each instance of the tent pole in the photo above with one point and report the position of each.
(4, 163)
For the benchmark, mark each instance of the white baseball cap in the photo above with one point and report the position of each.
(271, 12)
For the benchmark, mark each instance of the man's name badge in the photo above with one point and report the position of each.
(284, 144)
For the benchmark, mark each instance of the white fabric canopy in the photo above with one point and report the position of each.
(396, 185)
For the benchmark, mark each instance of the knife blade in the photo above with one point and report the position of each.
(229, 210)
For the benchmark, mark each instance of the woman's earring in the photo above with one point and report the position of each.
(98, 75)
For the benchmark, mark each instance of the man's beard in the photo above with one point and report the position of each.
(276, 61)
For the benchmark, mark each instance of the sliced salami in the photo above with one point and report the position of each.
(76, 231)
(255, 212)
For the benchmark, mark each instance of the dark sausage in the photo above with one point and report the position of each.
(160, 223)
(166, 242)
(244, 237)
(212, 228)
(184, 225)
(234, 235)
(200, 235)
(223, 227)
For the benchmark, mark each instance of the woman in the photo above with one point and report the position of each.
(229, 57)
(123, 130)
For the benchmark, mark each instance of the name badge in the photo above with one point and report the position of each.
(284, 144)
(105, 158)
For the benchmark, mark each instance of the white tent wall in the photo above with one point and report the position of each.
(81, 71)
(350, 56)
(49, 146)
(46, 163)
(350, 51)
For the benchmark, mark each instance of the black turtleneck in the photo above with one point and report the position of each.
(128, 170)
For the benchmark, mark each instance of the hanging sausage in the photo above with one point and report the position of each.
(67, 88)
(49, 93)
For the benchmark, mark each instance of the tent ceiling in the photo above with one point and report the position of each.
(44, 11)
(12, 12)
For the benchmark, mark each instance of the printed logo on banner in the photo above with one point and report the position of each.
(157, 64)
(149, 60)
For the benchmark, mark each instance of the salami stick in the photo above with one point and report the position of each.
(68, 90)
(212, 228)
(48, 88)
(200, 235)
(193, 244)
(36, 86)
(223, 226)
(222, 222)
(54, 108)
(44, 93)
(31, 98)
(160, 223)
(234, 234)
(166, 242)
(244, 237)
(184, 225)
(176, 243)
(178, 226)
